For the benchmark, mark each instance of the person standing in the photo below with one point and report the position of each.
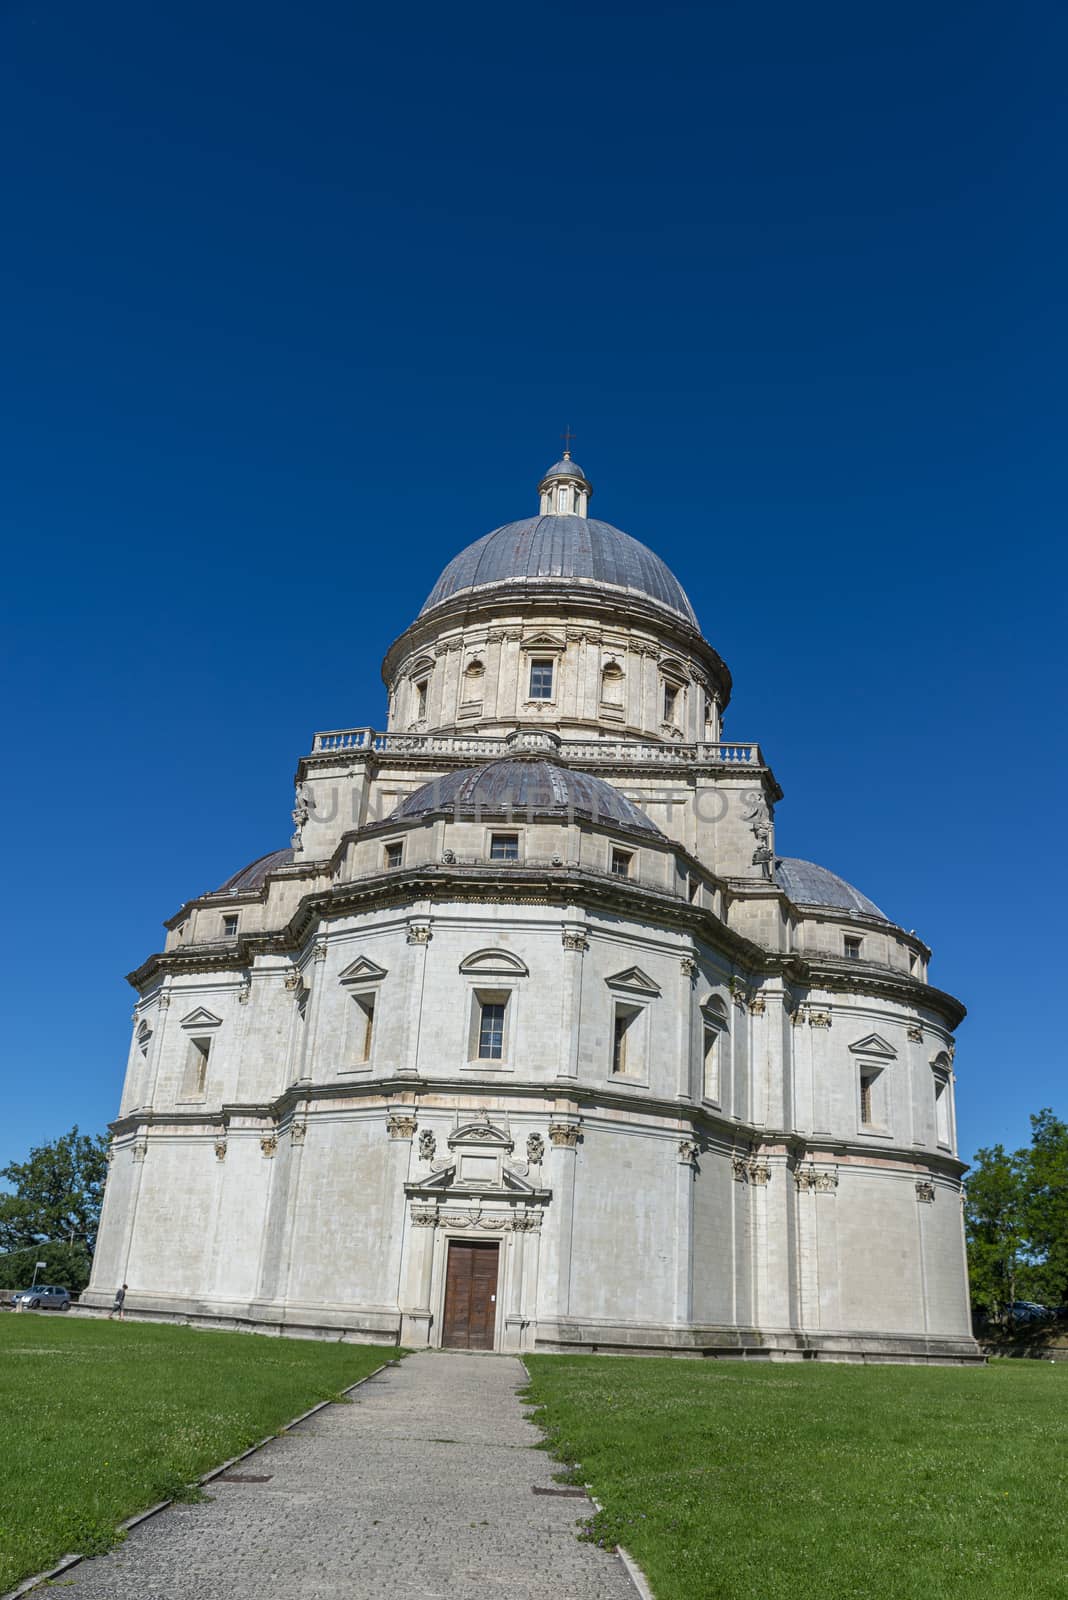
(119, 1308)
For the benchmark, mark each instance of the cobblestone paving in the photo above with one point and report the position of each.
(423, 1487)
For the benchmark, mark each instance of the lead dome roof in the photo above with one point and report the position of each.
(575, 549)
(810, 885)
(511, 786)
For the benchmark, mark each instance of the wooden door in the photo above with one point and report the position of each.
(470, 1295)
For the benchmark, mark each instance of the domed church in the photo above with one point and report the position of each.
(531, 1039)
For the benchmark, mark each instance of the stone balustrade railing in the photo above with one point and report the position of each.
(589, 752)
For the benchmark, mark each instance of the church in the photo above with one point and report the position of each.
(531, 1039)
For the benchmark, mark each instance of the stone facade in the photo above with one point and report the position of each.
(692, 1111)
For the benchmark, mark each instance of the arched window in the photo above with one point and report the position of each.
(474, 677)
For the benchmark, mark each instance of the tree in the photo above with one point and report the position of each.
(1045, 1208)
(54, 1211)
(994, 1228)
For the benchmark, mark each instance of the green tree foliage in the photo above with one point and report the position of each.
(1017, 1220)
(53, 1211)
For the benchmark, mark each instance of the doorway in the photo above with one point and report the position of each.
(470, 1295)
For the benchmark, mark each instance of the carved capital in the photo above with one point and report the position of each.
(688, 1152)
(526, 1221)
(925, 1192)
(220, 1149)
(401, 1124)
(915, 1033)
(140, 1149)
(298, 1132)
(268, 1145)
(424, 1217)
(419, 933)
(688, 968)
(819, 1019)
(758, 1005)
(293, 979)
(817, 1182)
(244, 991)
(575, 939)
(565, 1135)
(164, 1000)
(320, 950)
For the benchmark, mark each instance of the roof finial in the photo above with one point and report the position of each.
(567, 437)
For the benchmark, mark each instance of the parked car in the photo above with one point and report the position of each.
(1028, 1311)
(43, 1296)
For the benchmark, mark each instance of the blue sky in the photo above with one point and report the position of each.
(296, 302)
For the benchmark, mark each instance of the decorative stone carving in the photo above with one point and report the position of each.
(739, 993)
(424, 1217)
(925, 1192)
(575, 939)
(164, 1000)
(320, 950)
(449, 857)
(427, 1145)
(817, 1182)
(269, 1144)
(110, 1154)
(298, 1132)
(535, 1149)
(915, 1033)
(293, 979)
(688, 1152)
(140, 1149)
(565, 1135)
(688, 967)
(220, 1149)
(951, 1048)
(419, 933)
(819, 1019)
(401, 1124)
(758, 1005)
(245, 991)
(303, 807)
(750, 1169)
(526, 1221)
(759, 818)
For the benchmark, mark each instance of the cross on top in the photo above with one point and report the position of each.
(567, 437)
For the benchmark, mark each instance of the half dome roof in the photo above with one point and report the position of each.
(511, 786)
(810, 885)
(570, 549)
(255, 875)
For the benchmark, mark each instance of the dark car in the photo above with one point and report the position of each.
(43, 1296)
(1028, 1311)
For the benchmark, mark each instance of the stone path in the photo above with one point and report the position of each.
(423, 1488)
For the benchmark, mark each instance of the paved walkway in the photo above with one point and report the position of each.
(423, 1488)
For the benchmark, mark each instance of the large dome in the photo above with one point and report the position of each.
(810, 885)
(550, 548)
(511, 786)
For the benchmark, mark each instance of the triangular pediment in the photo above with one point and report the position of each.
(634, 981)
(201, 1018)
(362, 970)
(873, 1044)
(440, 1184)
(543, 641)
(494, 963)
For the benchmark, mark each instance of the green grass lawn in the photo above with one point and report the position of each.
(732, 1482)
(101, 1419)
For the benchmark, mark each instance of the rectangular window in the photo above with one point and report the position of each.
(229, 927)
(912, 963)
(491, 1030)
(541, 680)
(623, 1022)
(852, 948)
(420, 699)
(365, 1025)
(710, 1086)
(621, 860)
(868, 1078)
(394, 854)
(941, 1091)
(671, 700)
(504, 847)
(195, 1080)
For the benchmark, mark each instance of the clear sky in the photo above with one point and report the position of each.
(296, 302)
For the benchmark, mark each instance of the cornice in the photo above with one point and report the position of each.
(424, 1095)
